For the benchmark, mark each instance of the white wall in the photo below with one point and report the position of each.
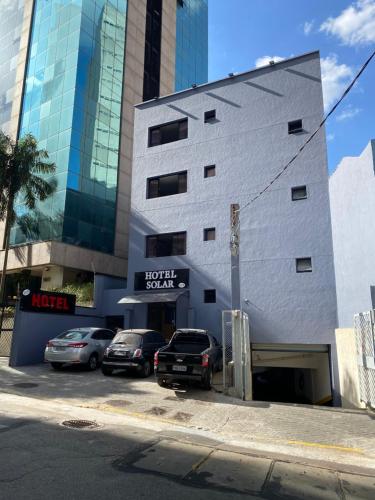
(348, 368)
(352, 194)
(249, 143)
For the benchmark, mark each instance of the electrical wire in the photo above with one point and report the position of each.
(346, 92)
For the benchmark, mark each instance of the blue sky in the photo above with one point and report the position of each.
(244, 31)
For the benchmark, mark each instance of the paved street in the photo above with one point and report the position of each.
(130, 458)
(310, 433)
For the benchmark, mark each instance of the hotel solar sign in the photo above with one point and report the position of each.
(167, 279)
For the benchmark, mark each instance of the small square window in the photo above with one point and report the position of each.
(209, 234)
(210, 296)
(210, 171)
(303, 265)
(299, 193)
(295, 127)
(210, 116)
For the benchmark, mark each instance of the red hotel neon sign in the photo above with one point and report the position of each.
(49, 302)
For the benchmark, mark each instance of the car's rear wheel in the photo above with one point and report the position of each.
(93, 362)
(162, 382)
(56, 366)
(207, 381)
(106, 370)
(146, 369)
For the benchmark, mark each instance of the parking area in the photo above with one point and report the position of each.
(78, 386)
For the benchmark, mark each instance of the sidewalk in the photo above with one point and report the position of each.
(143, 458)
(327, 435)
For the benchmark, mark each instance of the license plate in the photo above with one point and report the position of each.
(59, 348)
(120, 353)
(178, 368)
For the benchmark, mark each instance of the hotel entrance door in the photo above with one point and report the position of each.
(161, 316)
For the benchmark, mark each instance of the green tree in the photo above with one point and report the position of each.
(22, 168)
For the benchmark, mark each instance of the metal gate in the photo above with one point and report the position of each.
(236, 354)
(365, 341)
(7, 314)
(227, 350)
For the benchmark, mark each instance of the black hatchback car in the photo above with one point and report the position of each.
(132, 349)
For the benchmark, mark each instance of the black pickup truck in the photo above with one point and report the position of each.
(191, 355)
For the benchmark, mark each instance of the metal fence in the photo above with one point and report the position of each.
(227, 325)
(236, 354)
(6, 329)
(365, 342)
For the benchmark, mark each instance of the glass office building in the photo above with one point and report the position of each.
(72, 105)
(10, 35)
(191, 43)
(79, 54)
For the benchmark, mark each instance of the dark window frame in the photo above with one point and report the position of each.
(148, 238)
(294, 189)
(206, 232)
(207, 168)
(162, 126)
(210, 116)
(152, 54)
(298, 261)
(293, 128)
(158, 177)
(209, 296)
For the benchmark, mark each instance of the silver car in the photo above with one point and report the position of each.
(84, 346)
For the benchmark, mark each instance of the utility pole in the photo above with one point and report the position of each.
(236, 299)
(235, 256)
(240, 328)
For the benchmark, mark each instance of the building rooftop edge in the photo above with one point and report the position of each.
(340, 165)
(235, 75)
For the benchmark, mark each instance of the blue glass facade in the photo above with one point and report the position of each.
(72, 105)
(11, 20)
(191, 43)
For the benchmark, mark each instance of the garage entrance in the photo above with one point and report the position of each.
(291, 373)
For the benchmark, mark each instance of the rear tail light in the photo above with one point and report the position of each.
(49, 344)
(156, 359)
(137, 353)
(205, 359)
(78, 345)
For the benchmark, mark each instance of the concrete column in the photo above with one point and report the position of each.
(52, 277)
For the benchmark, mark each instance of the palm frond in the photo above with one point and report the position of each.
(42, 167)
(29, 225)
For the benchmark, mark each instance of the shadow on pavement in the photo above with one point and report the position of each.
(40, 458)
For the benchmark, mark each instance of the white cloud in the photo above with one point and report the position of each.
(335, 78)
(264, 60)
(348, 113)
(33, 81)
(308, 26)
(330, 137)
(355, 25)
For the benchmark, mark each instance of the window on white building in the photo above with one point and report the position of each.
(304, 265)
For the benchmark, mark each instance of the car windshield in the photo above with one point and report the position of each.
(128, 339)
(73, 335)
